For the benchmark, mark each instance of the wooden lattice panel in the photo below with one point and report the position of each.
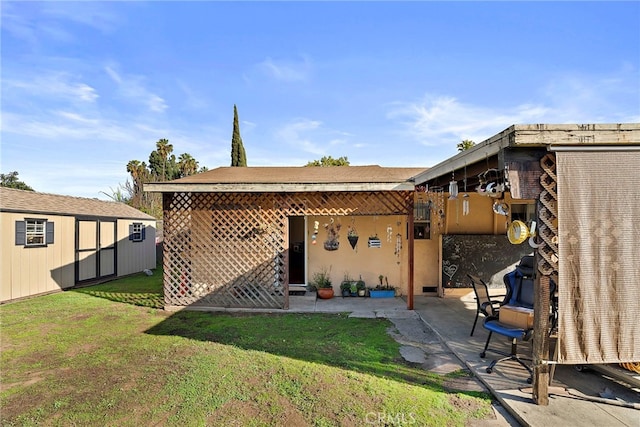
(344, 203)
(229, 249)
(548, 216)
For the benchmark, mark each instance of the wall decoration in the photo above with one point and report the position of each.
(314, 236)
(492, 184)
(333, 233)
(436, 201)
(352, 235)
(449, 270)
(453, 188)
(465, 197)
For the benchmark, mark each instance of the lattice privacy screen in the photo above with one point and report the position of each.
(599, 250)
(230, 249)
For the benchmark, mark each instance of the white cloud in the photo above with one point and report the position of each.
(439, 120)
(39, 23)
(296, 133)
(191, 98)
(65, 125)
(76, 117)
(53, 84)
(578, 98)
(569, 98)
(132, 88)
(91, 14)
(287, 71)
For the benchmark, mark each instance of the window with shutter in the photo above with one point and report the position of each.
(34, 232)
(20, 233)
(136, 232)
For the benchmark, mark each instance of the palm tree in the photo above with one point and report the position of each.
(187, 164)
(465, 145)
(164, 149)
(139, 175)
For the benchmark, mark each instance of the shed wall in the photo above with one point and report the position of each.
(134, 257)
(34, 270)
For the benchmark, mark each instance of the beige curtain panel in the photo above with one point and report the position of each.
(599, 256)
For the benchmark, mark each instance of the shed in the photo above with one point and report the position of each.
(53, 242)
(242, 236)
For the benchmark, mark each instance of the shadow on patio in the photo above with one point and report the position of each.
(451, 318)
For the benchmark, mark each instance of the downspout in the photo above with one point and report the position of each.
(410, 220)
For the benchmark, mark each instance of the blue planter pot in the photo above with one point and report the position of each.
(382, 294)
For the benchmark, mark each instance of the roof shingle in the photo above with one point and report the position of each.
(302, 175)
(12, 200)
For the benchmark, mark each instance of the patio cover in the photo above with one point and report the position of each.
(599, 251)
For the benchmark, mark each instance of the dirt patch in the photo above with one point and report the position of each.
(469, 406)
(84, 348)
(32, 378)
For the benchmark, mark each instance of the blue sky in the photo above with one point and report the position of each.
(87, 87)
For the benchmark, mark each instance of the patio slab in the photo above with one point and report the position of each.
(451, 318)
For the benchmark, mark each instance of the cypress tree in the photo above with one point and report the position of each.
(238, 155)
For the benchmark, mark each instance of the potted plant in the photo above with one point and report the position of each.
(321, 282)
(383, 290)
(353, 289)
(361, 287)
(345, 285)
(333, 233)
(345, 289)
(352, 236)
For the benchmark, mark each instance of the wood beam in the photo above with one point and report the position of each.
(540, 344)
(410, 221)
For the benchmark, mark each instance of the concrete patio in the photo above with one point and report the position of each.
(575, 399)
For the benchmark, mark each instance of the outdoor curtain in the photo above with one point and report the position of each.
(599, 256)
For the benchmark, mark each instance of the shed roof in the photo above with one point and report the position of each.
(12, 200)
(297, 178)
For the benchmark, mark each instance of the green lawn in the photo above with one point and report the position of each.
(109, 355)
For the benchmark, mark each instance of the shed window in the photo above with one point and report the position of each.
(34, 232)
(137, 232)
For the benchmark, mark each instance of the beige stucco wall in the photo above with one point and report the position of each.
(36, 270)
(481, 218)
(372, 262)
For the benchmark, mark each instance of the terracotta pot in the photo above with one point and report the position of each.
(325, 293)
